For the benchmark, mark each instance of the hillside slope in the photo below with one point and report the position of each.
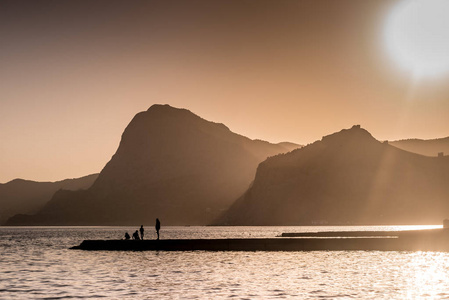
(346, 178)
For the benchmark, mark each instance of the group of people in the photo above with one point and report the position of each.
(136, 233)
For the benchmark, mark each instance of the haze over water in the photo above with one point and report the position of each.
(36, 263)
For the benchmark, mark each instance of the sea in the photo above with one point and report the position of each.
(36, 263)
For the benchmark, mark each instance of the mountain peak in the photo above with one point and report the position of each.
(167, 110)
(177, 115)
(164, 107)
(353, 134)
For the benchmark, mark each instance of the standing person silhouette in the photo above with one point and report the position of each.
(158, 227)
(141, 232)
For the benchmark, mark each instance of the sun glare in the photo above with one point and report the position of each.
(417, 36)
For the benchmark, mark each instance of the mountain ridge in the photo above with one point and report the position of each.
(431, 147)
(28, 196)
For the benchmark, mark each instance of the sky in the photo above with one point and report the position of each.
(74, 73)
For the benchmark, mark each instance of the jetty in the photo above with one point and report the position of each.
(350, 233)
(413, 240)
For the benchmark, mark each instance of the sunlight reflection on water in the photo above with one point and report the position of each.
(35, 263)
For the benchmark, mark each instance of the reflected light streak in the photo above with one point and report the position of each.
(425, 269)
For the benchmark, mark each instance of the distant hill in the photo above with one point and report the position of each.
(170, 164)
(346, 178)
(424, 147)
(25, 196)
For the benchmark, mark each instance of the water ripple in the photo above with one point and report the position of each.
(38, 265)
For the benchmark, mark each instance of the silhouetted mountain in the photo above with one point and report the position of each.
(346, 178)
(170, 164)
(27, 197)
(424, 147)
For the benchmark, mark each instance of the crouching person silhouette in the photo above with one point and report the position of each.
(136, 235)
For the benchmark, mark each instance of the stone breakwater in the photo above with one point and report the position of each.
(419, 240)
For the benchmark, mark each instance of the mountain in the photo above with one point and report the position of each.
(424, 147)
(346, 178)
(25, 196)
(171, 165)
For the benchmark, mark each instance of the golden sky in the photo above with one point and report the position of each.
(74, 73)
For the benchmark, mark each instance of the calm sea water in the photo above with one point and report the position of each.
(35, 263)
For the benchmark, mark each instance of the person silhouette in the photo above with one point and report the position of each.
(127, 237)
(158, 227)
(136, 235)
(141, 232)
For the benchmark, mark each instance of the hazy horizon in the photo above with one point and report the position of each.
(73, 75)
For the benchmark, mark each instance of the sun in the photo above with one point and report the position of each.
(417, 36)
